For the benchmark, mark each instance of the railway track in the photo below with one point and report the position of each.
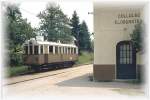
(54, 72)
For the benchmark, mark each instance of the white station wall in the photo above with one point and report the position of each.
(108, 34)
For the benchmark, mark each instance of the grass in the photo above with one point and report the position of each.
(15, 71)
(85, 58)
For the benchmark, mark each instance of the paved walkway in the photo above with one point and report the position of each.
(71, 82)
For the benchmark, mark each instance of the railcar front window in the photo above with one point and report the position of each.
(26, 49)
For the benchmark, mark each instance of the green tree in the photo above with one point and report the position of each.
(84, 38)
(18, 30)
(55, 24)
(136, 37)
(75, 24)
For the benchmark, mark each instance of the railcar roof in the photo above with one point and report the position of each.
(35, 42)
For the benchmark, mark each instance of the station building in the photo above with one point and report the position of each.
(114, 54)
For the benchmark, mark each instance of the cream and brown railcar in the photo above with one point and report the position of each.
(40, 53)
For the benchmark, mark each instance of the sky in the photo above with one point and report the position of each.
(30, 9)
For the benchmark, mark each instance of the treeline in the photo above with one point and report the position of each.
(18, 30)
(54, 26)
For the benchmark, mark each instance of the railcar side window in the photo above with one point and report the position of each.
(59, 50)
(64, 50)
(35, 50)
(56, 49)
(50, 49)
(26, 49)
(69, 50)
(31, 50)
(74, 50)
(41, 49)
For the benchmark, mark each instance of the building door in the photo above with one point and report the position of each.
(126, 60)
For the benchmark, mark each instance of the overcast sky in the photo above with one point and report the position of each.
(30, 10)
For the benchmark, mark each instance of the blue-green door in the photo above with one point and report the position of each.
(126, 60)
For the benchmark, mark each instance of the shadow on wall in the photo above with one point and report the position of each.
(84, 81)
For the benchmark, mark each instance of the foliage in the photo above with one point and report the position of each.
(85, 58)
(92, 45)
(81, 33)
(55, 24)
(75, 24)
(14, 71)
(18, 30)
(136, 37)
(84, 37)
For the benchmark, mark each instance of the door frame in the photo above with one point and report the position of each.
(134, 55)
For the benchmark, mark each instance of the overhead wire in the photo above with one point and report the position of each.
(33, 14)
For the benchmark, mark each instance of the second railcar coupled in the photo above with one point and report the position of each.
(39, 53)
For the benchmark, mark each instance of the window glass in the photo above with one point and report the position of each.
(124, 47)
(56, 49)
(130, 60)
(127, 60)
(36, 50)
(64, 50)
(121, 53)
(71, 50)
(124, 60)
(124, 53)
(59, 50)
(130, 57)
(128, 54)
(130, 47)
(74, 50)
(26, 49)
(41, 48)
(68, 50)
(31, 50)
(50, 49)
(121, 47)
(127, 47)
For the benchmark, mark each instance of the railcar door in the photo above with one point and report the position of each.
(126, 60)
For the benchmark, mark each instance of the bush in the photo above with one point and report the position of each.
(17, 70)
(85, 57)
(16, 59)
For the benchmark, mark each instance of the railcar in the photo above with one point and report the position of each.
(39, 53)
